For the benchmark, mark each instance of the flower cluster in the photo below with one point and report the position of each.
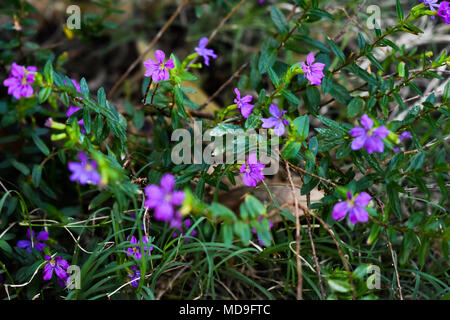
(313, 71)
(34, 242)
(444, 11)
(354, 206)
(243, 103)
(84, 171)
(158, 68)
(252, 171)
(135, 249)
(277, 121)
(135, 276)
(59, 265)
(163, 199)
(368, 137)
(204, 52)
(20, 80)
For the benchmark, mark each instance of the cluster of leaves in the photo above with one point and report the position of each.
(407, 235)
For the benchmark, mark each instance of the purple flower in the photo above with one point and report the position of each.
(243, 103)
(444, 11)
(59, 265)
(405, 135)
(253, 171)
(368, 137)
(277, 121)
(158, 69)
(313, 71)
(163, 199)
(135, 276)
(205, 53)
(84, 171)
(135, 250)
(355, 207)
(433, 4)
(20, 80)
(187, 225)
(36, 243)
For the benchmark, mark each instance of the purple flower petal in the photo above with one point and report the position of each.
(366, 122)
(268, 123)
(340, 210)
(167, 182)
(273, 109)
(373, 144)
(47, 272)
(381, 132)
(357, 131)
(360, 214)
(362, 199)
(42, 236)
(358, 142)
(160, 56)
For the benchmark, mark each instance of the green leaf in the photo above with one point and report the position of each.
(252, 121)
(40, 144)
(101, 97)
(363, 74)
(354, 107)
(301, 125)
(87, 120)
(254, 207)
(243, 231)
(222, 212)
(99, 199)
(84, 87)
(446, 94)
(48, 72)
(139, 119)
(227, 232)
(267, 59)
(279, 19)
(273, 77)
(340, 93)
(291, 149)
(5, 247)
(374, 61)
(44, 93)
(36, 175)
(291, 97)
(21, 167)
(416, 161)
(339, 285)
(336, 50)
(399, 9)
(313, 98)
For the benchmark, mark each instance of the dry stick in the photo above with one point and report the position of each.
(313, 247)
(225, 84)
(245, 65)
(338, 246)
(394, 264)
(352, 19)
(220, 26)
(150, 46)
(297, 236)
(397, 277)
(313, 175)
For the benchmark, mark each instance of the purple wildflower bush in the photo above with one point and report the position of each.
(88, 176)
